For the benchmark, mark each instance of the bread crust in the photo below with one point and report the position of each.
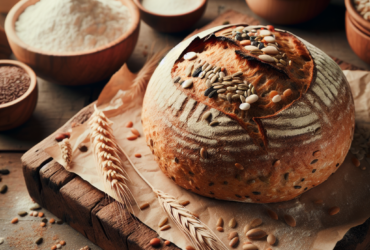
(304, 143)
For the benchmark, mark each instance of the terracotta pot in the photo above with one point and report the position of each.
(74, 68)
(359, 42)
(356, 18)
(287, 11)
(171, 23)
(16, 112)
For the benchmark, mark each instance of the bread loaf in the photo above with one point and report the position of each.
(249, 114)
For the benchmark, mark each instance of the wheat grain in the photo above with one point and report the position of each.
(198, 233)
(108, 156)
(66, 149)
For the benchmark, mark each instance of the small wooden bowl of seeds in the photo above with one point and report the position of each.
(171, 17)
(18, 93)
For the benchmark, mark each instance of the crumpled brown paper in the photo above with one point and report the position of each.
(348, 188)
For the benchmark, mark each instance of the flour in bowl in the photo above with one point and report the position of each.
(72, 25)
(170, 7)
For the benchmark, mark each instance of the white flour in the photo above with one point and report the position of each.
(72, 25)
(170, 7)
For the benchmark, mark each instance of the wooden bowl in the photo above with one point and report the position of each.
(16, 112)
(74, 68)
(6, 5)
(359, 42)
(171, 23)
(356, 18)
(287, 11)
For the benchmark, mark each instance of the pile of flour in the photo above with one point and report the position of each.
(170, 7)
(72, 25)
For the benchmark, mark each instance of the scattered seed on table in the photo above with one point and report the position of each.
(135, 132)
(334, 210)
(22, 213)
(220, 229)
(220, 222)
(167, 242)
(189, 248)
(59, 246)
(234, 242)
(250, 247)
(131, 137)
(356, 162)
(1, 241)
(165, 227)
(232, 223)
(239, 166)
(3, 189)
(35, 207)
(15, 220)
(290, 220)
(144, 206)
(38, 241)
(4, 171)
(59, 137)
(44, 220)
(184, 202)
(163, 222)
(59, 222)
(232, 235)
(155, 242)
(35, 214)
(52, 221)
(129, 124)
(318, 202)
(138, 155)
(273, 215)
(41, 214)
(246, 228)
(255, 234)
(255, 223)
(54, 247)
(271, 239)
(42, 224)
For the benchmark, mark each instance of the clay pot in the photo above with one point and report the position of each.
(287, 11)
(171, 23)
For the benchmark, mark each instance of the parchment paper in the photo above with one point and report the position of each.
(348, 188)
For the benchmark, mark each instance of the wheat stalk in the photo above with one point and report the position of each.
(107, 154)
(66, 149)
(196, 231)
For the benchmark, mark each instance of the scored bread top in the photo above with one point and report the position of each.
(275, 150)
(267, 78)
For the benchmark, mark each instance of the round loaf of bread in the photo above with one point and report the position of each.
(249, 114)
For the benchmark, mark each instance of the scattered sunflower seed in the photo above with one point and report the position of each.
(4, 171)
(35, 207)
(232, 223)
(38, 241)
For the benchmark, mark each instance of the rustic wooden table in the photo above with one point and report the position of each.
(57, 104)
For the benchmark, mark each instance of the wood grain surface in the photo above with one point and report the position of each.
(96, 216)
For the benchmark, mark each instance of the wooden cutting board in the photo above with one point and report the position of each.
(95, 215)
